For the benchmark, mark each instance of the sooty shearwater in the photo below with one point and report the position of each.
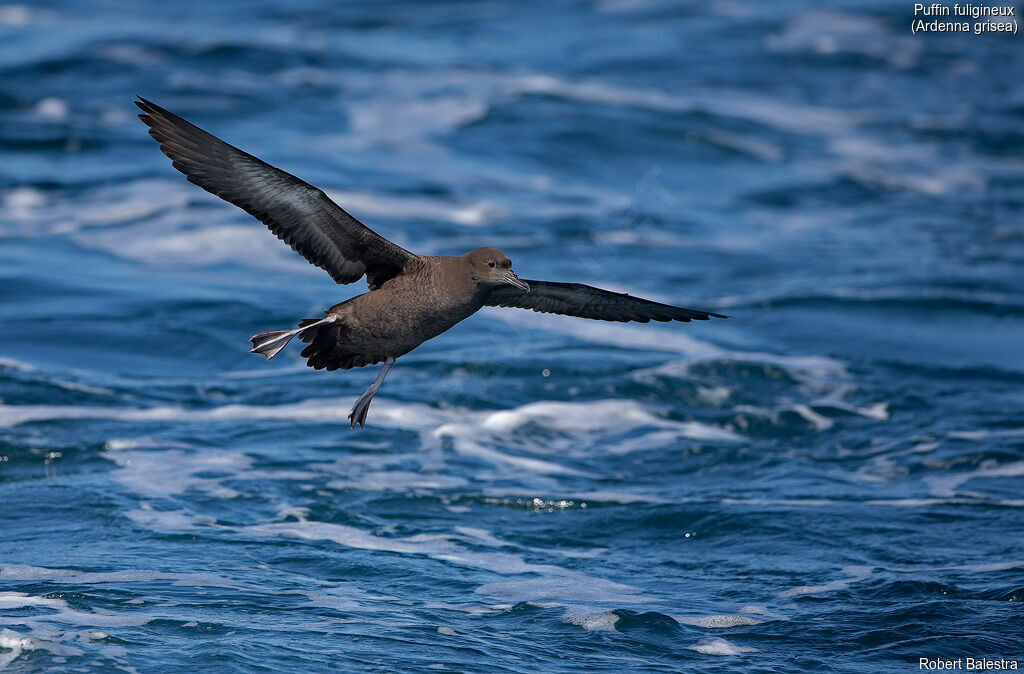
(411, 298)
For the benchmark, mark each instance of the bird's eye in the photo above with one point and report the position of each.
(491, 263)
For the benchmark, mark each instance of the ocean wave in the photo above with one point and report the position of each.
(946, 486)
(834, 33)
(720, 621)
(17, 643)
(24, 572)
(592, 621)
(732, 494)
(719, 646)
(472, 433)
(854, 574)
(323, 410)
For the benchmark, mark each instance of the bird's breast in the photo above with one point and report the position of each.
(401, 315)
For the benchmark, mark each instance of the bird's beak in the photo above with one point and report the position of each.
(511, 278)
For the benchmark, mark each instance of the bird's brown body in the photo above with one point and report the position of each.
(397, 317)
(411, 299)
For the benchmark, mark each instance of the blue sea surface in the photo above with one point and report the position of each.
(832, 480)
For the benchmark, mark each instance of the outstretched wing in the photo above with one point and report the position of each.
(298, 213)
(576, 299)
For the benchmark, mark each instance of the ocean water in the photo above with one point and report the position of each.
(831, 480)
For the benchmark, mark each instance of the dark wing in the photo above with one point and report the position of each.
(298, 213)
(576, 299)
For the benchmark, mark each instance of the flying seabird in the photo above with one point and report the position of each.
(411, 298)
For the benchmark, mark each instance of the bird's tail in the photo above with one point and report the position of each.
(271, 342)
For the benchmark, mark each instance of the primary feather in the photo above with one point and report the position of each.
(299, 214)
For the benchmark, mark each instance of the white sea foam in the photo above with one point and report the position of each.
(882, 502)
(159, 229)
(990, 567)
(916, 502)
(132, 54)
(154, 222)
(165, 473)
(203, 247)
(877, 411)
(406, 207)
(352, 537)
(446, 548)
(94, 635)
(63, 613)
(52, 109)
(481, 536)
(159, 474)
(154, 469)
(880, 469)
(762, 611)
(18, 643)
(719, 646)
(468, 440)
(17, 15)
(22, 203)
(447, 100)
(854, 574)
(639, 236)
(823, 378)
(914, 167)
(45, 377)
(123, 444)
(134, 202)
(51, 629)
(554, 583)
(54, 622)
(565, 588)
(168, 521)
(985, 434)
(418, 105)
(755, 147)
(12, 364)
(398, 480)
(10, 600)
(478, 434)
(719, 621)
(794, 502)
(819, 422)
(830, 33)
(570, 498)
(945, 486)
(597, 415)
(23, 572)
(773, 112)
(343, 596)
(986, 567)
(821, 371)
(408, 121)
(321, 410)
(592, 621)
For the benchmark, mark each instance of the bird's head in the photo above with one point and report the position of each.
(492, 267)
